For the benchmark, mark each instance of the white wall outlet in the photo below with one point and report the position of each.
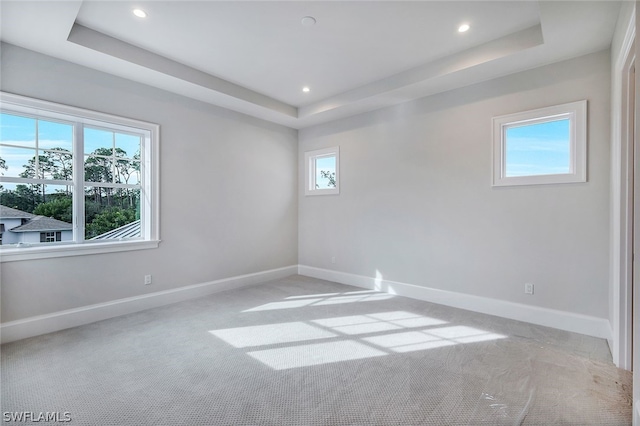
(333, 259)
(528, 288)
(147, 279)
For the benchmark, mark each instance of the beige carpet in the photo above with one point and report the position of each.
(301, 351)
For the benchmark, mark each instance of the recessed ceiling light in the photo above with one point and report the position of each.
(140, 13)
(463, 28)
(306, 89)
(308, 21)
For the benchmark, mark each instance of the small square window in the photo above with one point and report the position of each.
(542, 146)
(322, 171)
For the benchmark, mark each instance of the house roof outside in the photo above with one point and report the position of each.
(10, 213)
(130, 230)
(43, 223)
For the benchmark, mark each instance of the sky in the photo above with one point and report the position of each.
(538, 149)
(327, 164)
(20, 132)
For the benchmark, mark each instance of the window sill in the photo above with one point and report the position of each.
(332, 191)
(41, 252)
(540, 180)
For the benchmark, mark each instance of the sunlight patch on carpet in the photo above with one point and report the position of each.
(261, 335)
(314, 354)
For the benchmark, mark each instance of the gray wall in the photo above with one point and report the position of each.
(416, 204)
(228, 193)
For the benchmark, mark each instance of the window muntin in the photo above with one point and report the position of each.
(322, 171)
(80, 167)
(542, 146)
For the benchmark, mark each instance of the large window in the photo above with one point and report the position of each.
(74, 181)
(542, 146)
(322, 171)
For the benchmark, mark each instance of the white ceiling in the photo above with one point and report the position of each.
(255, 57)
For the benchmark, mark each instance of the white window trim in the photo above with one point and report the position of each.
(149, 207)
(310, 171)
(577, 114)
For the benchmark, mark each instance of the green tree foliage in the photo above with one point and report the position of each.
(109, 219)
(110, 208)
(105, 208)
(329, 175)
(22, 201)
(99, 167)
(59, 208)
(49, 165)
(24, 198)
(3, 166)
(91, 209)
(61, 163)
(16, 200)
(40, 170)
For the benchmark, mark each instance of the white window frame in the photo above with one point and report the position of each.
(149, 187)
(310, 159)
(576, 112)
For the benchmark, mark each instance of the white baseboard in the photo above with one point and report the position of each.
(41, 324)
(568, 321)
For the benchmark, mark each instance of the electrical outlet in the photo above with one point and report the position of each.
(147, 279)
(333, 259)
(528, 288)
